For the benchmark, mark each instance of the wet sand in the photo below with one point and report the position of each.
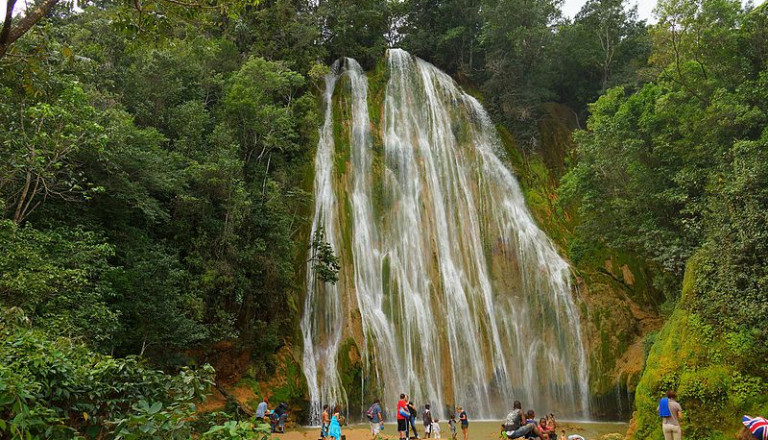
(480, 430)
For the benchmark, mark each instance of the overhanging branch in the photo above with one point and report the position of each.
(10, 33)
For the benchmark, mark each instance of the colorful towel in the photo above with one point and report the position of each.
(334, 430)
(758, 426)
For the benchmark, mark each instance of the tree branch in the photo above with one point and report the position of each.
(10, 33)
(191, 5)
(231, 398)
(6, 31)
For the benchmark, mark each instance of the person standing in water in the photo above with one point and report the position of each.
(464, 422)
(670, 412)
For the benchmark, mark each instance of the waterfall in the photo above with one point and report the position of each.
(453, 293)
(321, 323)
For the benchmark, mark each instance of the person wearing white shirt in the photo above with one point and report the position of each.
(262, 409)
(435, 429)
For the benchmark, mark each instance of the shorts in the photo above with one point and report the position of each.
(375, 428)
(402, 425)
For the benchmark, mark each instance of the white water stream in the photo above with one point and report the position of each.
(459, 296)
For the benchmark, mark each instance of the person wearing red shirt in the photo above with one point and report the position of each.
(402, 416)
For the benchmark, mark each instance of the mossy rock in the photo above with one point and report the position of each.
(350, 367)
(704, 365)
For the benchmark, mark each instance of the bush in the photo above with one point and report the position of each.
(234, 429)
(52, 387)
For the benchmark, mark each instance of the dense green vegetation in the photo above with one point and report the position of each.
(156, 172)
(675, 173)
(52, 387)
(154, 184)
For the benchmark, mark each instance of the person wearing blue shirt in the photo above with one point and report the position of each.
(376, 418)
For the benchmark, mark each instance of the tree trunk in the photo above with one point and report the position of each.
(230, 398)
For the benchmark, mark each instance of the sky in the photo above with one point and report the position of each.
(570, 7)
(644, 8)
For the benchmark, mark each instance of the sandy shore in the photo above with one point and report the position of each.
(477, 431)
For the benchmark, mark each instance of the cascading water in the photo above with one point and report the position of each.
(462, 299)
(321, 323)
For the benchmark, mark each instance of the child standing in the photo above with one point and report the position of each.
(435, 429)
(452, 424)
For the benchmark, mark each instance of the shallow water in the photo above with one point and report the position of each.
(489, 430)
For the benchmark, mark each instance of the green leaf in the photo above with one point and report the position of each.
(155, 407)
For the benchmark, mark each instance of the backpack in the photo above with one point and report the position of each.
(664, 408)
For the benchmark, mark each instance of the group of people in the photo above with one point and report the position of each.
(524, 425)
(518, 424)
(276, 417)
(406, 417)
(331, 423)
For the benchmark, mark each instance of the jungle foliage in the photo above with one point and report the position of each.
(675, 173)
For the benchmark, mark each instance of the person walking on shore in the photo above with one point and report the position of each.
(464, 422)
(376, 418)
(434, 430)
(334, 429)
(670, 412)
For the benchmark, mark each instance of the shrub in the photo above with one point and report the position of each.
(52, 387)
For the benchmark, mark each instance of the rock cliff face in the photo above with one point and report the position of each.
(715, 373)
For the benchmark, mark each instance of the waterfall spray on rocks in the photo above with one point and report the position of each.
(462, 299)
